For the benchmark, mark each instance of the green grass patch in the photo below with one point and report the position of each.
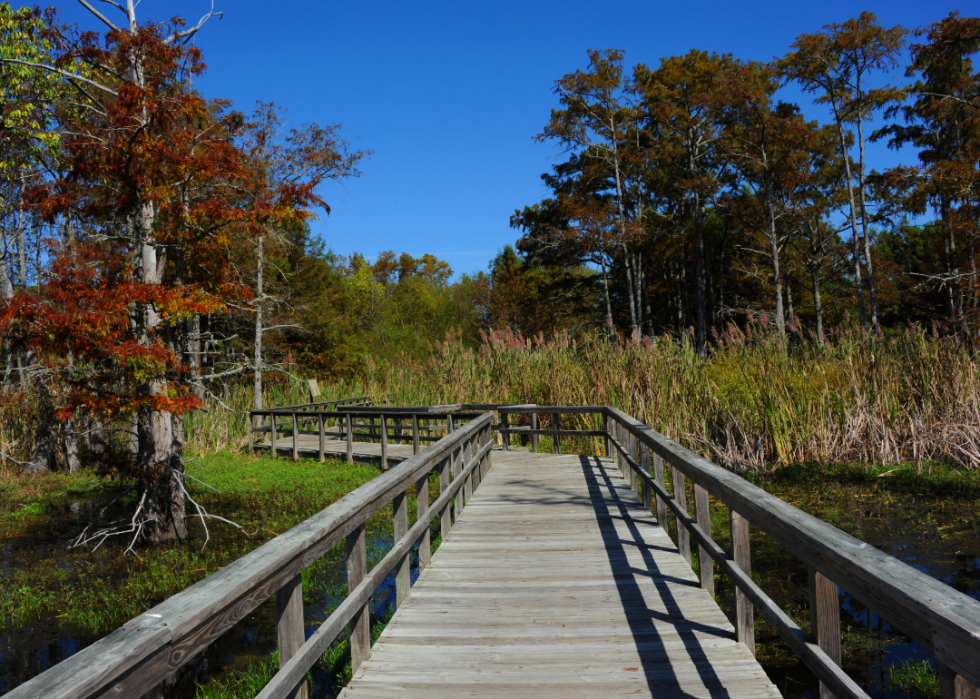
(92, 592)
(915, 678)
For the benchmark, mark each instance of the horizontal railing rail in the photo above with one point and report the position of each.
(378, 424)
(530, 432)
(939, 618)
(147, 650)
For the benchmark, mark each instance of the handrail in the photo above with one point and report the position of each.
(939, 618)
(151, 647)
(353, 422)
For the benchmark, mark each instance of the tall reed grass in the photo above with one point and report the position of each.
(759, 401)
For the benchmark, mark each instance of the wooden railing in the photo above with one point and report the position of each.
(531, 432)
(134, 659)
(939, 618)
(352, 423)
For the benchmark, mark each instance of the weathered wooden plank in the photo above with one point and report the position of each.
(825, 620)
(421, 506)
(403, 568)
(290, 626)
(702, 511)
(581, 605)
(680, 495)
(360, 623)
(742, 555)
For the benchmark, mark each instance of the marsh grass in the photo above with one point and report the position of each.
(918, 679)
(92, 592)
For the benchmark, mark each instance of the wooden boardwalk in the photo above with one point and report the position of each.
(556, 582)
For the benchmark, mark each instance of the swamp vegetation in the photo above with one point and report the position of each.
(55, 601)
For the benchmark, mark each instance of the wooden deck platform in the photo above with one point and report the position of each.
(556, 582)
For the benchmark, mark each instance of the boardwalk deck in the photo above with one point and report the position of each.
(556, 582)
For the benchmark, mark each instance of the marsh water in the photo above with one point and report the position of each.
(939, 536)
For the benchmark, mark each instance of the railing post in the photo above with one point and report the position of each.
(295, 436)
(289, 621)
(683, 536)
(349, 422)
(457, 453)
(444, 516)
(534, 437)
(742, 556)
(702, 514)
(605, 428)
(467, 457)
(631, 445)
(322, 424)
(360, 623)
(251, 447)
(505, 420)
(415, 434)
(620, 461)
(953, 686)
(556, 421)
(384, 442)
(645, 490)
(825, 620)
(658, 476)
(421, 505)
(403, 580)
(272, 427)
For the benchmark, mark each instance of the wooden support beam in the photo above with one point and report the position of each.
(505, 419)
(658, 477)
(458, 499)
(290, 626)
(953, 686)
(415, 434)
(825, 620)
(444, 516)
(403, 580)
(251, 446)
(534, 437)
(360, 624)
(349, 421)
(556, 422)
(702, 514)
(742, 556)
(295, 418)
(683, 536)
(421, 505)
(322, 424)
(468, 484)
(272, 428)
(645, 491)
(631, 445)
(384, 442)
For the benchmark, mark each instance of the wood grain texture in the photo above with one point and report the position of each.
(555, 581)
(742, 555)
(702, 511)
(290, 627)
(680, 495)
(360, 624)
(825, 620)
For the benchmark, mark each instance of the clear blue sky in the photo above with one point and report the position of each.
(449, 95)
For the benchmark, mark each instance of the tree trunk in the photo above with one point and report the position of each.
(872, 297)
(71, 446)
(609, 317)
(817, 305)
(856, 250)
(258, 326)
